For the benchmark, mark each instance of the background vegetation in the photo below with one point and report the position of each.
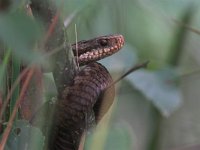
(155, 108)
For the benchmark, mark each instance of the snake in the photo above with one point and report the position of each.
(90, 94)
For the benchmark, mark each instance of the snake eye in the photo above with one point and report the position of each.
(104, 42)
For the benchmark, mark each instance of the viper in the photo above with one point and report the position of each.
(90, 94)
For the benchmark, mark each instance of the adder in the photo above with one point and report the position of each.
(90, 94)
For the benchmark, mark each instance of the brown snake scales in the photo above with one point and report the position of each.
(88, 93)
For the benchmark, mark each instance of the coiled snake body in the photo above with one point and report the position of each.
(88, 94)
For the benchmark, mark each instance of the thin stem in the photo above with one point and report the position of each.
(136, 67)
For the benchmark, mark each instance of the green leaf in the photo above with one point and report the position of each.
(25, 137)
(159, 88)
(118, 137)
(3, 68)
(20, 33)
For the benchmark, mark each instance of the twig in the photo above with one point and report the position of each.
(136, 67)
(197, 31)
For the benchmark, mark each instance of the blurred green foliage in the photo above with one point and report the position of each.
(20, 32)
(24, 136)
(151, 33)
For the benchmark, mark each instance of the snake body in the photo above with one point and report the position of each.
(88, 93)
(88, 97)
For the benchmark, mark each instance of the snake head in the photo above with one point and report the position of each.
(97, 48)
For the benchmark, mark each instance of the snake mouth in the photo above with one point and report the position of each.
(98, 48)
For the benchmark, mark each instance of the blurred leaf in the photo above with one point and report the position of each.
(45, 111)
(71, 5)
(175, 7)
(50, 87)
(25, 137)
(18, 4)
(16, 69)
(20, 33)
(159, 88)
(3, 68)
(118, 137)
(146, 32)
